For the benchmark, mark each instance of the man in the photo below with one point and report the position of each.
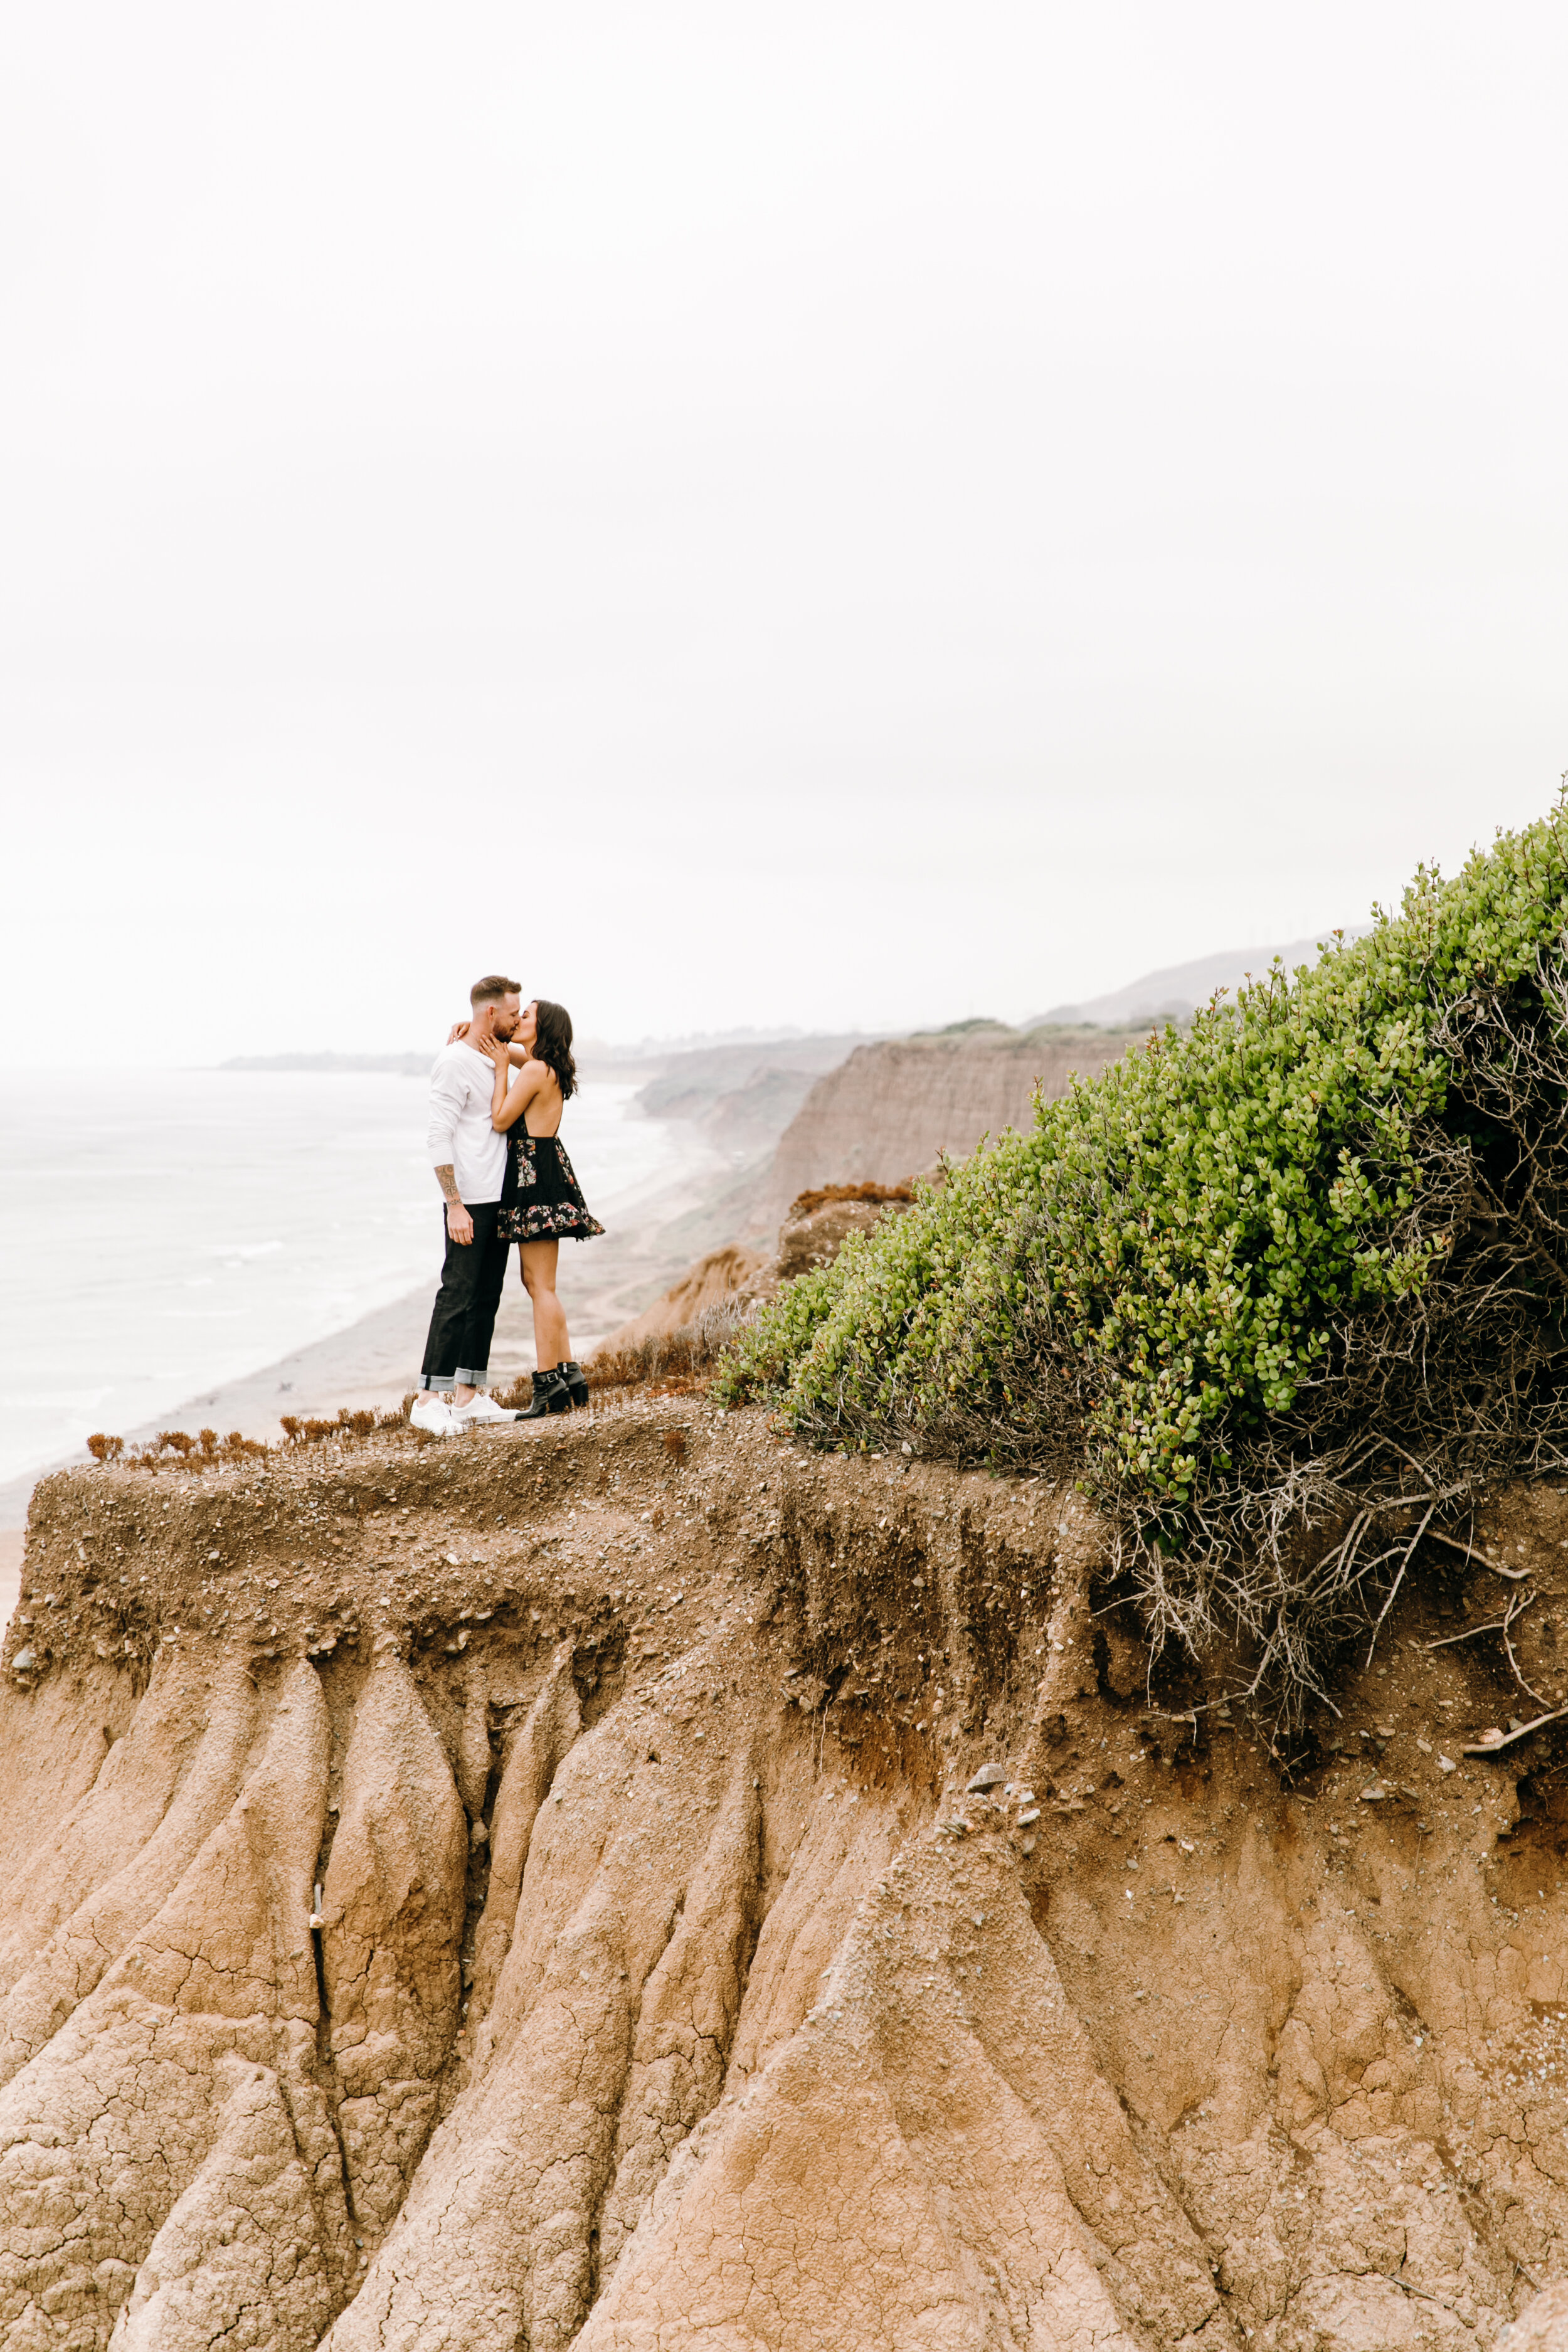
(469, 1159)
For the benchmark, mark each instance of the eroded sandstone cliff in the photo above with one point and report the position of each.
(528, 1894)
(890, 1109)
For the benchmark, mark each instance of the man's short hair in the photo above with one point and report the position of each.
(490, 990)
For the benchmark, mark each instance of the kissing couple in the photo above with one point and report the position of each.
(494, 1142)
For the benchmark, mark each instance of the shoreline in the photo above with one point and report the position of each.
(658, 1229)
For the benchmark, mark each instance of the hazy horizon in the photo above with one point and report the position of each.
(852, 519)
(697, 1041)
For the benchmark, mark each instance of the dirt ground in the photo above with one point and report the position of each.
(628, 1882)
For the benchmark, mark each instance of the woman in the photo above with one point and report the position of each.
(540, 1198)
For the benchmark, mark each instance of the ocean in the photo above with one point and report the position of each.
(164, 1231)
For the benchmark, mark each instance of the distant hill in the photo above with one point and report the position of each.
(690, 1084)
(698, 1040)
(1179, 989)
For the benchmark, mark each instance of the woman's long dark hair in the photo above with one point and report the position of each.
(552, 1044)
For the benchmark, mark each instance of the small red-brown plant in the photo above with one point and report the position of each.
(804, 1204)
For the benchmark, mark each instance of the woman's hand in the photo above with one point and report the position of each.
(458, 1031)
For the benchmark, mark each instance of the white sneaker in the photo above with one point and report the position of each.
(482, 1408)
(433, 1414)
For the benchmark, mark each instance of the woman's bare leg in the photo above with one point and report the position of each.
(552, 1341)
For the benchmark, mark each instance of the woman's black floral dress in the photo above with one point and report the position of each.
(541, 1200)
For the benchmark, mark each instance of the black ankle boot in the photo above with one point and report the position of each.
(549, 1395)
(576, 1386)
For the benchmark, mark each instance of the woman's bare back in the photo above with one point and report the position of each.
(542, 1118)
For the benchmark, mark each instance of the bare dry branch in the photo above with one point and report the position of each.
(1498, 1741)
(1515, 1575)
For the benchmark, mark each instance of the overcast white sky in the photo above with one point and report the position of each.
(843, 514)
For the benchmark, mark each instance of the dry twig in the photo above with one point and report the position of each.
(1503, 1625)
(1492, 1744)
(1514, 1575)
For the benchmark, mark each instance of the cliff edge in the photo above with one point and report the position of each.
(630, 1883)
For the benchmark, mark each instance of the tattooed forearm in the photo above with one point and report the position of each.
(448, 1180)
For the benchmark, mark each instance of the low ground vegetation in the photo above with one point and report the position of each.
(1285, 1291)
(672, 1364)
(177, 1448)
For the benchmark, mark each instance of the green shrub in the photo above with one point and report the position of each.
(1342, 1195)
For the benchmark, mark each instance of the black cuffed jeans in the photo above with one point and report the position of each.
(457, 1353)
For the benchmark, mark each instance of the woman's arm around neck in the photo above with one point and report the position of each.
(507, 1107)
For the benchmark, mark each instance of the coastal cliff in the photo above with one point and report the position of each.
(631, 1883)
(888, 1110)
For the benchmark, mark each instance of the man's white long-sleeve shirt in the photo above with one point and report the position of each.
(461, 1138)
